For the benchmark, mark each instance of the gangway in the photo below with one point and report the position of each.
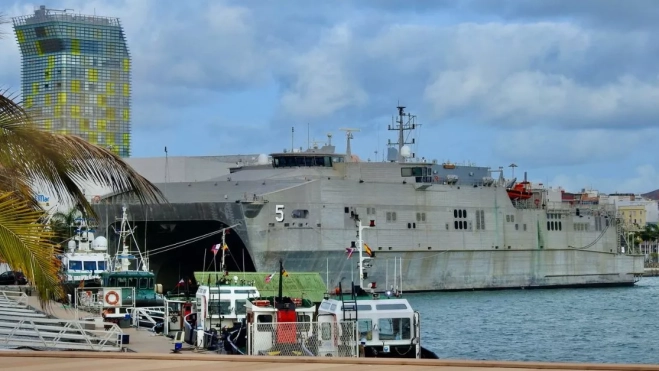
(22, 326)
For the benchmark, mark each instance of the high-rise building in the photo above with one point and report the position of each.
(76, 75)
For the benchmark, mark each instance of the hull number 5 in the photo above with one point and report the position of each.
(279, 213)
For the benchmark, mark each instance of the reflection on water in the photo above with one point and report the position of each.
(614, 325)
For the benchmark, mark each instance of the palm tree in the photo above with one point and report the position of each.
(61, 223)
(60, 162)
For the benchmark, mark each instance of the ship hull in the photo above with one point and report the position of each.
(470, 270)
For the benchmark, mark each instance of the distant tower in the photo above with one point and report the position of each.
(348, 137)
(76, 75)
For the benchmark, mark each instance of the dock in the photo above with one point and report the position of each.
(56, 361)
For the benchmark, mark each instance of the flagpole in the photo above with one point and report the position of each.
(204, 268)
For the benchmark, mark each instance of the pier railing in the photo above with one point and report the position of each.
(314, 339)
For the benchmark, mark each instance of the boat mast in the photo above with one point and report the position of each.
(402, 126)
(224, 234)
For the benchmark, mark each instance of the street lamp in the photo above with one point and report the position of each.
(513, 166)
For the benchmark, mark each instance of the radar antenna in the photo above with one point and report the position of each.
(405, 122)
(349, 136)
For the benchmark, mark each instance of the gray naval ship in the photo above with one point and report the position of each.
(437, 226)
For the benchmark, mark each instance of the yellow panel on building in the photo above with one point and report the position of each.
(51, 61)
(110, 113)
(35, 87)
(48, 124)
(21, 36)
(101, 124)
(48, 99)
(84, 124)
(126, 114)
(75, 111)
(92, 75)
(61, 98)
(126, 90)
(58, 111)
(75, 86)
(634, 217)
(109, 88)
(28, 102)
(126, 139)
(75, 47)
(102, 101)
(126, 65)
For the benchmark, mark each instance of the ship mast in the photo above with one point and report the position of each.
(405, 122)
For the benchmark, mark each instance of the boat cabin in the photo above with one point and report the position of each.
(222, 305)
(117, 293)
(387, 325)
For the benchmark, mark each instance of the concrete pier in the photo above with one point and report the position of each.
(56, 361)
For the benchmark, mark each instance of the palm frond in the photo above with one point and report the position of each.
(12, 182)
(25, 246)
(62, 162)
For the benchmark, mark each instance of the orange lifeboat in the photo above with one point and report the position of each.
(261, 303)
(520, 191)
(448, 166)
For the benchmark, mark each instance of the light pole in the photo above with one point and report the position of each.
(513, 166)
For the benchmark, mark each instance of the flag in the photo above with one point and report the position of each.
(284, 273)
(269, 278)
(81, 285)
(216, 248)
(225, 247)
(368, 249)
(349, 251)
(181, 282)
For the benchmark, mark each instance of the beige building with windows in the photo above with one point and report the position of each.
(634, 217)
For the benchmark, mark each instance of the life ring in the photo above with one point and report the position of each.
(436, 178)
(537, 202)
(115, 298)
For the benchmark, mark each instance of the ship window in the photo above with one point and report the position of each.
(406, 172)
(325, 306)
(101, 265)
(144, 283)
(455, 213)
(224, 306)
(512, 218)
(395, 328)
(264, 322)
(346, 210)
(300, 213)
(455, 224)
(333, 307)
(507, 218)
(112, 282)
(326, 330)
(464, 213)
(365, 329)
(560, 226)
(241, 309)
(397, 306)
(89, 266)
(517, 227)
(364, 307)
(151, 285)
(121, 282)
(525, 227)
(75, 265)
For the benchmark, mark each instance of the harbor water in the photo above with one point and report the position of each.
(609, 325)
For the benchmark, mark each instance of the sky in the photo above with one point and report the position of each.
(566, 90)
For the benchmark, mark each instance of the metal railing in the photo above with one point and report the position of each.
(22, 326)
(146, 316)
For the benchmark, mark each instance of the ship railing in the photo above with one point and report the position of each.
(88, 302)
(313, 339)
(22, 326)
(147, 317)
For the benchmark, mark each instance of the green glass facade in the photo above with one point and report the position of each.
(76, 76)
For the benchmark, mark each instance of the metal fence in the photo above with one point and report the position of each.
(315, 339)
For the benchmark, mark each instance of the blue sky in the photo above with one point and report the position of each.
(567, 90)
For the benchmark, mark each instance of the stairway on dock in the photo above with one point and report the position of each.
(22, 326)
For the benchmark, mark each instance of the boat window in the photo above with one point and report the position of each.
(397, 306)
(101, 265)
(241, 291)
(325, 306)
(365, 329)
(75, 265)
(144, 283)
(132, 282)
(300, 214)
(333, 307)
(112, 282)
(394, 328)
(405, 171)
(240, 307)
(326, 331)
(364, 307)
(304, 322)
(150, 283)
(122, 282)
(264, 322)
(89, 266)
(223, 306)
